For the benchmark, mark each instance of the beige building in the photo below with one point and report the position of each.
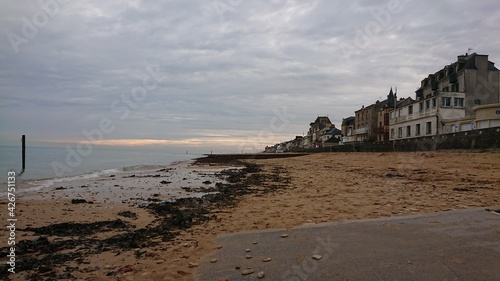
(445, 101)
(487, 116)
(313, 138)
(368, 126)
(363, 123)
(471, 77)
(348, 128)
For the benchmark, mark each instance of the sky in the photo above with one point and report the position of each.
(222, 75)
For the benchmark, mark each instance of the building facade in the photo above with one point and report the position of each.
(316, 130)
(348, 127)
(371, 123)
(445, 100)
(425, 117)
(487, 116)
(472, 77)
(363, 121)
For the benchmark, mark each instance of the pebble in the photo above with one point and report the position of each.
(266, 259)
(247, 271)
(214, 260)
(284, 235)
(260, 274)
(317, 257)
(249, 257)
(193, 264)
(255, 242)
(247, 250)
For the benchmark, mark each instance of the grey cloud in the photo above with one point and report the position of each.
(222, 72)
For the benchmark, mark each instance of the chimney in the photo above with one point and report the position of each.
(481, 62)
(462, 58)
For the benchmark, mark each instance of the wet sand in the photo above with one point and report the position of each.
(282, 193)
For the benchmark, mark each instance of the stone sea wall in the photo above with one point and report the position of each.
(470, 140)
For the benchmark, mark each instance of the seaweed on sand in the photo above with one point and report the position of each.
(46, 257)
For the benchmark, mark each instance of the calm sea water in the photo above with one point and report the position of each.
(40, 161)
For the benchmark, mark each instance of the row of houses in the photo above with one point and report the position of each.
(322, 133)
(462, 96)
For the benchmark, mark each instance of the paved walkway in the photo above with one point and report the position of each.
(456, 245)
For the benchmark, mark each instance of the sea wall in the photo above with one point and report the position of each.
(476, 139)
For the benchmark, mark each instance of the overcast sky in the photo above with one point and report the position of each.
(225, 75)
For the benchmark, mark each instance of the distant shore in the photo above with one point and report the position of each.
(120, 238)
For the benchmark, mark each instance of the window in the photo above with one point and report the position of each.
(477, 102)
(445, 101)
(417, 130)
(458, 102)
(421, 106)
(399, 113)
(427, 104)
(410, 109)
(428, 128)
(446, 89)
(433, 102)
(392, 133)
(455, 87)
(408, 131)
(380, 124)
(400, 132)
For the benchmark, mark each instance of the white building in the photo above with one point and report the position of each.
(445, 100)
(427, 117)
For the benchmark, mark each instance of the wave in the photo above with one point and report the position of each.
(40, 184)
(33, 185)
(141, 167)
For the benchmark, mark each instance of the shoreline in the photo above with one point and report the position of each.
(118, 213)
(267, 194)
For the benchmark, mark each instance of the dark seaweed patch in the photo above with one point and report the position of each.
(45, 258)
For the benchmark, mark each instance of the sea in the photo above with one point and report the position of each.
(59, 163)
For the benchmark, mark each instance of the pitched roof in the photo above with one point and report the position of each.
(405, 102)
(333, 139)
(348, 121)
(322, 119)
(334, 131)
(470, 63)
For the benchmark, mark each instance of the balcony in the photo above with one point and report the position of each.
(348, 139)
(427, 112)
(361, 131)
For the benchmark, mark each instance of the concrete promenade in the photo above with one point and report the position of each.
(455, 245)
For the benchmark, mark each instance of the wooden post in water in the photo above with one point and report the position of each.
(23, 140)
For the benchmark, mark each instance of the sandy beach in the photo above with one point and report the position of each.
(100, 229)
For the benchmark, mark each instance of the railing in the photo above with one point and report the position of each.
(348, 139)
(361, 131)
